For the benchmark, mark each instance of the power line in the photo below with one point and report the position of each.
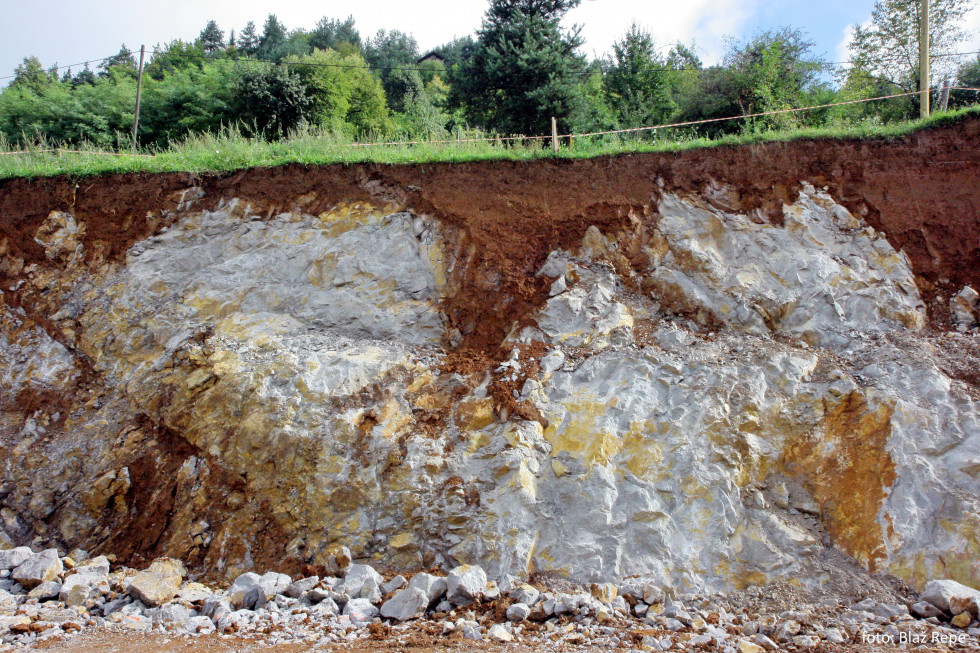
(80, 63)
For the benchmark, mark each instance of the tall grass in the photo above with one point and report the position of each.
(232, 150)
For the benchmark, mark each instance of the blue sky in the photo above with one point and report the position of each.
(67, 32)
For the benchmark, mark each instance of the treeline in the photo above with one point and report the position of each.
(522, 68)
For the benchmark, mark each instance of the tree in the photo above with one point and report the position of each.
(212, 38)
(889, 47)
(30, 74)
(273, 39)
(638, 82)
(248, 41)
(388, 53)
(176, 55)
(123, 61)
(775, 70)
(524, 69)
(344, 95)
(272, 101)
(337, 35)
(968, 76)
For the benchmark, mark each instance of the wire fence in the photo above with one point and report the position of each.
(504, 139)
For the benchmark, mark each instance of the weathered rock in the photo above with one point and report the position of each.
(173, 613)
(159, 583)
(38, 568)
(11, 558)
(360, 610)
(194, 592)
(465, 584)
(299, 587)
(965, 308)
(518, 612)
(395, 583)
(433, 586)
(46, 591)
(406, 604)
(924, 610)
(677, 372)
(498, 633)
(362, 581)
(962, 620)
(940, 592)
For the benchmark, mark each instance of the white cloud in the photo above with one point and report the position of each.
(703, 21)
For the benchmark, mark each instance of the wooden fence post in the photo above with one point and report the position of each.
(554, 134)
(944, 97)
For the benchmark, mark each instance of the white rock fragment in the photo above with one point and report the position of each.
(465, 584)
(941, 593)
(360, 610)
(433, 586)
(38, 568)
(406, 604)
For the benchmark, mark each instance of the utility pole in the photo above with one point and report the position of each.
(139, 90)
(924, 59)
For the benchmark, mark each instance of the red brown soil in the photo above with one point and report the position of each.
(922, 190)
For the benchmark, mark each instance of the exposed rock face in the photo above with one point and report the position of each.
(700, 398)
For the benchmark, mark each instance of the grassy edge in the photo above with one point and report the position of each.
(231, 152)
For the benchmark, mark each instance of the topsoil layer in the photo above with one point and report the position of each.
(922, 190)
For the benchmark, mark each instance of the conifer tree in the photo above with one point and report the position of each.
(524, 68)
(212, 38)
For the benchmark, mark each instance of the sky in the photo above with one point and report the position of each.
(70, 31)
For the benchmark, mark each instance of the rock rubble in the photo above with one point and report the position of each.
(272, 608)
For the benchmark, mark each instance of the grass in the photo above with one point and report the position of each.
(232, 151)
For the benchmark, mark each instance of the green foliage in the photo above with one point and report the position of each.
(271, 101)
(332, 34)
(968, 76)
(99, 113)
(189, 100)
(274, 40)
(773, 71)
(212, 38)
(176, 56)
(344, 96)
(31, 75)
(524, 69)
(889, 47)
(248, 41)
(388, 53)
(638, 82)
(122, 61)
(232, 150)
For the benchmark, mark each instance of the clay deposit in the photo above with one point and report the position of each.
(710, 370)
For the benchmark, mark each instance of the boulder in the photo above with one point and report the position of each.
(360, 610)
(518, 612)
(45, 591)
(395, 583)
(194, 592)
(940, 592)
(433, 586)
(925, 610)
(38, 568)
(363, 582)
(406, 604)
(12, 558)
(301, 586)
(465, 584)
(158, 584)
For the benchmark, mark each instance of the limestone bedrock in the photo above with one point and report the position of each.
(722, 401)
